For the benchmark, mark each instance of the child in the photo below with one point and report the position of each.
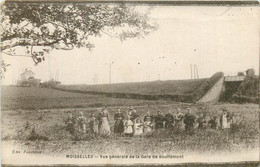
(93, 124)
(128, 127)
(82, 122)
(148, 123)
(138, 128)
(213, 122)
(70, 123)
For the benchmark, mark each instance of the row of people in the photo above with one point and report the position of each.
(132, 124)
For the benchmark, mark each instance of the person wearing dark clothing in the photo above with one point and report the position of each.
(213, 123)
(189, 121)
(70, 123)
(119, 124)
(159, 120)
(169, 120)
(133, 114)
(201, 121)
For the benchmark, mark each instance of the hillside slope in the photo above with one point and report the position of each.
(148, 88)
(176, 90)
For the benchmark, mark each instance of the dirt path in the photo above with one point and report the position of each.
(213, 94)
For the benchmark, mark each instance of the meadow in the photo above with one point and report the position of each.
(32, 98)
(44, 129)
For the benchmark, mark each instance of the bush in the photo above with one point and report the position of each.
(35, 136)
(248, 91)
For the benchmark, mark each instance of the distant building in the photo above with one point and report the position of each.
(27, 79)
(27, 75)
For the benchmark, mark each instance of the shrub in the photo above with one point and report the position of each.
(33, 136)
(248, 91)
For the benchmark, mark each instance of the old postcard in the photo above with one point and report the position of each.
(130, 83)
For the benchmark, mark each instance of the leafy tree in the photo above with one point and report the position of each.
(66, 26)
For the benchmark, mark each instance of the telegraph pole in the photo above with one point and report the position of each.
(194, 71)
(191, 70)
(197, 71)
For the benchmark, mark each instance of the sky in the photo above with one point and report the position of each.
(215, 38)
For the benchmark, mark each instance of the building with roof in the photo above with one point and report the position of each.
(27, 78)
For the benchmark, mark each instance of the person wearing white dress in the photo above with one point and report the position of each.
(128, 127)
(138, 128)
(82, 120)
(225, 120)
(147, 123)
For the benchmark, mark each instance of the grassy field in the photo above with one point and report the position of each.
(44, 98)
(51, 137)
(149, 88)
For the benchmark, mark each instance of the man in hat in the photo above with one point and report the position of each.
(189, 121)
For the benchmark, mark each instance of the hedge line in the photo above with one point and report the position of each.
(167, 97)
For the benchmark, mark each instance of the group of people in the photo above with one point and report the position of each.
(131, 124)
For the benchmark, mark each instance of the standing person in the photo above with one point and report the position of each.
(213, 123)
(189, 121)
(70, 123)
(201, 121)
(119, 124)
(225, 119)
(147, 123)
(128, 127)
(93, 124)
(169, 120)
(133, 115)
(179, 119)
(159, 120)
(82, 120)
(132, 112)
(104, 127)
(138, 126)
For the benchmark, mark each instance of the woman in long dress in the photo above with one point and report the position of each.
(119, 124)
(104, 127)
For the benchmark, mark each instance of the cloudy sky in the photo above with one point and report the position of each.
(215, 38)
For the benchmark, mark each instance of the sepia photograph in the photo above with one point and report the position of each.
(131, 83)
